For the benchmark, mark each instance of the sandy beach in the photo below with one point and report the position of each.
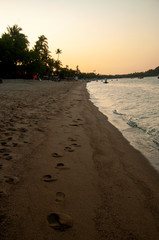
(66, 173)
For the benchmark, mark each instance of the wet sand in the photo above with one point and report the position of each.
(66, 172)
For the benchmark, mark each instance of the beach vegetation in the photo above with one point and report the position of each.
(17, 60)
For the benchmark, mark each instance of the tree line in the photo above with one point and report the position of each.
(149, 73)
(18, 61)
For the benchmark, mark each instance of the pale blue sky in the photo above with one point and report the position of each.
(109, 36)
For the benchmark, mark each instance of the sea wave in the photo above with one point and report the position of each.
(116, 112)
(132, 123)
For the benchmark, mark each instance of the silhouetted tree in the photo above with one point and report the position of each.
(58, 66)
(42, 49)
(13, 50)
(58, 51)
(42, 60)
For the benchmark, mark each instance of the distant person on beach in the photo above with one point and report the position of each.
(35, 76)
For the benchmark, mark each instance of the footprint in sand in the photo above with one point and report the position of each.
(14, 144)
(78, 119)
(72, 139)
(60, 221)
(8, 158)
(60, 197)
(48, 178)
(69, 149)
(56, 155)
(3, 143)
(6, 154)
(61, 166)
(11, 180)
(74, 125)
(75, 145)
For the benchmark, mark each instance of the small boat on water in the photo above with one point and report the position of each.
(105, 80)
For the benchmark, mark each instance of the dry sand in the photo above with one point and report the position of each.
(66, 173)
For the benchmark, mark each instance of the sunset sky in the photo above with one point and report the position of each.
(108, 36)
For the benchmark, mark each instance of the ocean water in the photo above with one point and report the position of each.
(132, 105)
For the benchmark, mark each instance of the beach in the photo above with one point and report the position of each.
(66, 172)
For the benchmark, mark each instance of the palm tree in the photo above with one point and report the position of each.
(19, 45)
(42, 48)
(58, 51)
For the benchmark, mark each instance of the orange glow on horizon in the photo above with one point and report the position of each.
(111, 37)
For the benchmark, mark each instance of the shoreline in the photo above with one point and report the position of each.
(66, 158)
(137, 136)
